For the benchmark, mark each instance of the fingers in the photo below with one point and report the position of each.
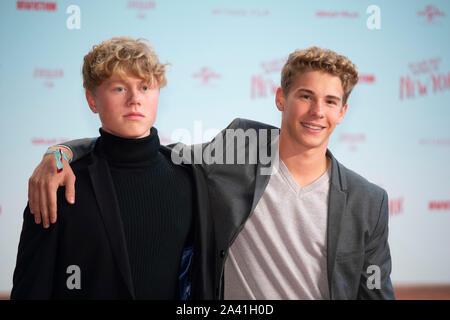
(43, 186)
(43, 205)
(44, 173)
(51, 192)
(34, 206)
(33, 200)
(34, 186)
(65, 178)
(70, 188)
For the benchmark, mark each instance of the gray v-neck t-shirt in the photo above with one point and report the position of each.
(281, 252)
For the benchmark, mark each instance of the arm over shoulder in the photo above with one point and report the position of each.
(80, 147)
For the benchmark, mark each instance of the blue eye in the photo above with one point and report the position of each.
(119, 89)
(145, 88)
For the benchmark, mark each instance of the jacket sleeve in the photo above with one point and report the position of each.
(375, 276)
(36, 257)
(200, 154)
(219, 145)
(80, 147)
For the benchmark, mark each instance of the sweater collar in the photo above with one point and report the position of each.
(123, 151)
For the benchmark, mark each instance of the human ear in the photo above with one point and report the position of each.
(279, 99)
(342, 113)
(91, 101)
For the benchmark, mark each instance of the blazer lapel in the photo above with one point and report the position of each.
(336, 209)
(265, 170)
(109, 210)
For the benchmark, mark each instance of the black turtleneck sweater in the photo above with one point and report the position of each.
(155, 200)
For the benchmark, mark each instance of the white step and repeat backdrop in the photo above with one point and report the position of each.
(226, 59)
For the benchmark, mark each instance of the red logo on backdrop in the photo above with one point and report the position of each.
(36, 5)
(353, 139)
(141, 5)
(48, 75)
(0, 210)
(366, 78)
(439, 205)
(241, 12)
(47, 142)
(425, 66)
(431, 12)
(264, 84)
(261, 86)
(426, 80)
(395, 206)
(206, 74)
(336, 14)
(273, 65)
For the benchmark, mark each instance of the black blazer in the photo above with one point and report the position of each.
(90, 236)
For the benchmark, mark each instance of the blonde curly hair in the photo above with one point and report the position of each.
(319, 59)
(122, 55)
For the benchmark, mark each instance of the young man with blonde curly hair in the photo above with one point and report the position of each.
(312, 229)
(129, 234)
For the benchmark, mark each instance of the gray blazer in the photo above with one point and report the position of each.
(357, 234)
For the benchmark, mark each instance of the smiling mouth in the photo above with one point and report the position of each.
(310, 126)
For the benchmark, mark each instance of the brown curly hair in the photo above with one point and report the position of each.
(122, 55)
(319, 59)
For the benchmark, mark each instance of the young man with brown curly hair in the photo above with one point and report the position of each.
(312, 229)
